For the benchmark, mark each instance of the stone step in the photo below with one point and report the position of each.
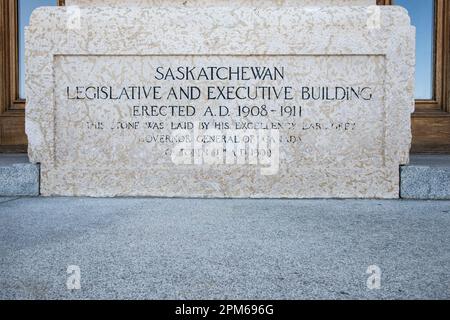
(427, 177)
(18, 177)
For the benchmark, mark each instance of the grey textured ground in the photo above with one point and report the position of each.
(244, 249)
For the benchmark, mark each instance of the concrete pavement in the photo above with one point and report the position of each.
(223, 249)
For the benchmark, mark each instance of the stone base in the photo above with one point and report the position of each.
(427, 178)
(18, 177)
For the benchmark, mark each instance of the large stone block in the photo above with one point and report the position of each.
(220, 3)
(220, 101)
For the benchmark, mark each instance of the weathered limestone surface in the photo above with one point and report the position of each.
(203, 3)
(341, 149)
